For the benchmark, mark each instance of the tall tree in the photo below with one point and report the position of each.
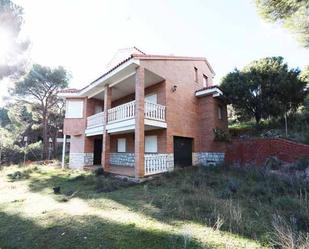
(12, 46)
(292, 14)
(265, 88)
(40, 87)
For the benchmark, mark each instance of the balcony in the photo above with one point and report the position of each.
(122, 118)
(95, 124)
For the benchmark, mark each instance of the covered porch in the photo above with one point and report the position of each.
(121, 94)
(122, 156)
(134, 103)
(154, 164)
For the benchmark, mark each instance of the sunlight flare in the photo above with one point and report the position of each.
(5, 44)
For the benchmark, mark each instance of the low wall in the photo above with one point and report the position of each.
(123, 159)
(256, 151)
(207, 158)
(79, 160)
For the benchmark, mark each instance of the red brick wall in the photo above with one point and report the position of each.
(130, 140)
(77, 126)
(256, 151)
(209, 120)
(182, 107)
(158, 88)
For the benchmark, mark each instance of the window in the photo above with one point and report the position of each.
(220, 112)
(74, 109)
(205, 80)
(121, 145)
(195, 74)
(151, 144)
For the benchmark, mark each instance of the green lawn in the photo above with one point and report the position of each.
(193, 208)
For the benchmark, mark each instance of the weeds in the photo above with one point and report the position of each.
(285, 235)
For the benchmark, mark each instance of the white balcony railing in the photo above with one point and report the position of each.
(95, 120)
(156, 163)
(154, 111)
(121, 112)
(127, 111)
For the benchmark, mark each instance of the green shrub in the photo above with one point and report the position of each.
(20, 175)
(233, 185)
(286, 203)
(221, 135)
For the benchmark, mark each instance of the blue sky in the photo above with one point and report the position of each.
(83, 35)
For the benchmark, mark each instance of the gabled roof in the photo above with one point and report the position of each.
(121, 55)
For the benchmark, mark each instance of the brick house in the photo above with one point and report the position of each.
(146, 115)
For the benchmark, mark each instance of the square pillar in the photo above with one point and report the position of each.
(106, 136)
(139, 122)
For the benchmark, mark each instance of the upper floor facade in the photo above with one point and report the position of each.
(169, 90)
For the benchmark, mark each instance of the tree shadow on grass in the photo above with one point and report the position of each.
(169, 199)
(85, 232)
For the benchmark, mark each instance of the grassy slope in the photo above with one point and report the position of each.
(179, 210)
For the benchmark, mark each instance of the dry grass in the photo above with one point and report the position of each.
(32, 216)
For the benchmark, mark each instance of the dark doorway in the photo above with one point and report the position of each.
(183, 151)
(97, 152)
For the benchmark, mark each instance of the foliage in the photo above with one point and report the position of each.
(40, 86)
(305, 75)
(221, 135)
(298, 127)
(301, 164)
(13, 61)
(273, 163)
(4, 118)
(285, 235)
(265, 88)
(112, 184)
(293, 14)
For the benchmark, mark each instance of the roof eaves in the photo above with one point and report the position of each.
(109, 71)
(172, 57)
(209, 87)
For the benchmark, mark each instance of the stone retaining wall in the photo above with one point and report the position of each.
(123, 159)
(79, 160)
(207, 158)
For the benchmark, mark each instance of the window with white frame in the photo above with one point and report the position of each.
(121, 145)
(74, 109)
(151, 144)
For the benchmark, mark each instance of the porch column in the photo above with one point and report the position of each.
(139, 122)
(106, 136)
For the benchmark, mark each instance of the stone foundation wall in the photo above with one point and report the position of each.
(79, 160)
(207, 158)
(128, 159)
(124, 159)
